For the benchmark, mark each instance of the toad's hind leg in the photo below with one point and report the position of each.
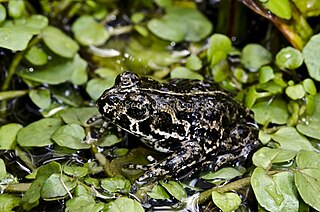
(177, 164)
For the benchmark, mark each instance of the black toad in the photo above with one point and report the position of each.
(196, 121)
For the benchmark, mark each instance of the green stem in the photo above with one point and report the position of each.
(236, 185)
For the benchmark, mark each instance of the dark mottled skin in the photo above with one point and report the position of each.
(197, 122)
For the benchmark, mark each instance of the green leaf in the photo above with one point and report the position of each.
(265, 156)
(227, 173)
(12, 94)
(8, 134)
(109, 140)
(76, 171)
(78, 115)
(71, 136)
(309, 86)
(295, 91)
(124, 204)
(182, 72)
(289, 57)
(36, 56)
(227, 202)
(38, 134)
(309, 7)
(96, 87)
(34, 22)
(280, 8)
(3, 13)
(3, 171)
(59, 43)
(8, 202)
(158, 192)
(265, 74)
(41, 98)
(219, 47)
(83, 203)
(275, 112)
(255, 56)
(311, 56)
(116, 184)
(276, 193)
(180, 24)
(31, 198)
(175, 189)
(88, 32)
(290, 139)
(57, 186)
(14, 38)
(193, 62)
(59, 71)
(16, 8)
(307, 177)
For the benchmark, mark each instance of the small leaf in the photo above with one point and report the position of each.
(36, 56)
(3, 13)
(289, 57)
(290, 139)
(3, 171)
(265, 74)
(295, 91)
(38, 134)
(78, 115)
(227, 202)
(265, 156)
(16, 8)
(193, 62)
(116, 184)
(219, 47)
(307, 177)
(8, 202)
(309, 86)
(227, 173)
(76, 171)
(59, 43)
(57, 186)
(71, 136)
(96, 87)
(175, 189)
(41, 98)
(255, 56)
(182, 72)
(14, 38)
(158, 192)
(88, 32)
(109, 140)
(311, 56)
(84, 203)
(280, 8)
(8, 134)
(124, 204)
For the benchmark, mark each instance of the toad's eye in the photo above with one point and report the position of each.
(138, 107)
(127, 79)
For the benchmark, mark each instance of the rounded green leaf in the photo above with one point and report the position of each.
(71, 136)
(34, 22)
(57, 186)
(8, 202)
(307, 177)
(290, 139)
(280, 8)
(276, 193)
(8, 134)
(109, 140)
(41, 98)
(38, 134)
(3, 13)
(175, 189)
(265, 74)
(311, 55)
(59, 43)
(295, 91)
(227, 202)
(96, 87)
(88, 32)
(180, 24)
(193, 62)
(78, 116)
(76, 171)
(16, 8)
(36, 56)
(182, 72)
(14, 38)
(219, 47)
(227, 173)
(83, 203)
(289, 57)
(158, 192)
(124, 204)
(275, 112)
(309, 86)
(254, 56)
(116, 184)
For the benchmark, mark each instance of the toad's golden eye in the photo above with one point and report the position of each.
(127, 79)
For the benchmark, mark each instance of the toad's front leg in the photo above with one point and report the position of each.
(179, 163)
